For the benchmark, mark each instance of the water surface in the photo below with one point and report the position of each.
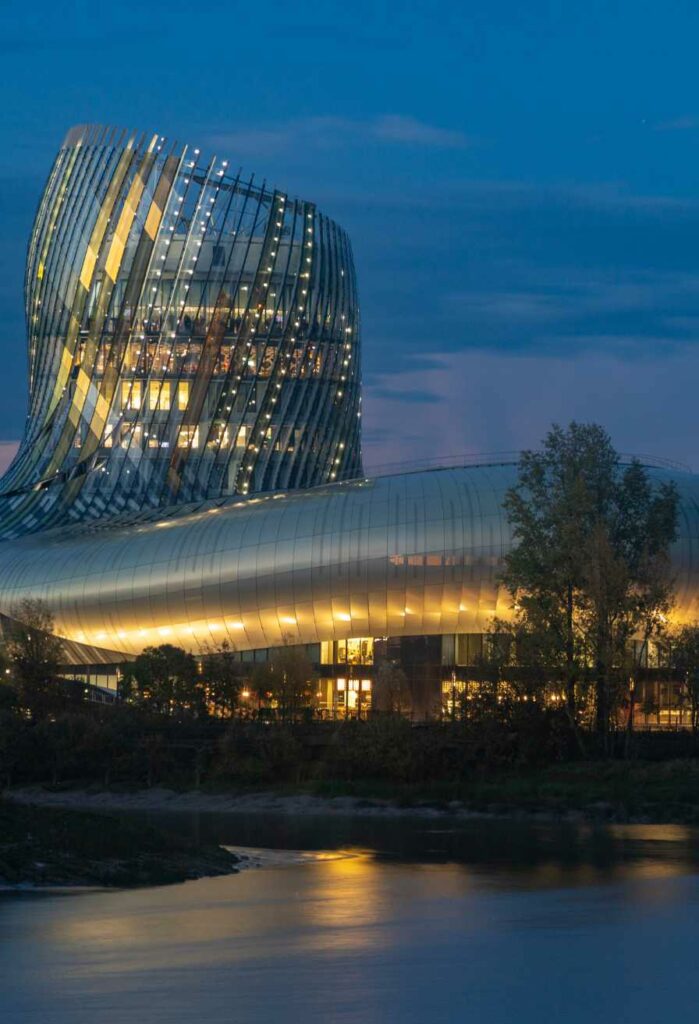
(375, 921)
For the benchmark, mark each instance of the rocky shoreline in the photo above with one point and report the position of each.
(57, 847)
(305, 804)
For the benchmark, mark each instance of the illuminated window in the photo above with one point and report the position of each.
(356, 651)
(182, 395)
(131, 394)
(188, 437)
(130, 435)
(159, 394)
(242, 437)
(219, 437)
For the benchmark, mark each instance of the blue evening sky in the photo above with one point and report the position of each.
(520, 182)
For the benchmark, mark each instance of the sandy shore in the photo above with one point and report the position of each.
(221, 803)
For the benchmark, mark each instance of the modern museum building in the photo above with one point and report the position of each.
(191, 468)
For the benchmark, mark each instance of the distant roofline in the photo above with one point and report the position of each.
(472, 460)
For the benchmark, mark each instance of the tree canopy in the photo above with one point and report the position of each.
(35, 653)
(288, 679)
(589, 569)
(164, 679)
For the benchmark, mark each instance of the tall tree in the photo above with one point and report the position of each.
(589, 569)
(684, 662)
(391, 692)
(223, 673)
(289, 680)
(164, 679)
(35, 653)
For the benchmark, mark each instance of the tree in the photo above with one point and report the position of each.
(164, 679)
(9, 694)
(391, 692)
(224, 679)
(35, 653)
(589, 569)
(684, 662)
(288, 679)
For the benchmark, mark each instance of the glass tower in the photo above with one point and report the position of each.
(192, 335)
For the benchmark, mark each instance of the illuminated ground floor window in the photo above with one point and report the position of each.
(345, 696)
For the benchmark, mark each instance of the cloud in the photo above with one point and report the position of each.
(419, 396)
(7, 453)
(678, 124)
(500, 402)
(581, 301)
(327, 132)
(409, 130)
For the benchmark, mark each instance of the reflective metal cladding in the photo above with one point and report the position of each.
(192, 334)
(412, 554)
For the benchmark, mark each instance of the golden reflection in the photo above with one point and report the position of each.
(337, 900)
(348, 896)
(653, 833)
(561, 875)
(654, 867)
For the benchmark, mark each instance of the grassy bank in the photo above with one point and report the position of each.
(57, 847)
(601, 790)
(590, 791)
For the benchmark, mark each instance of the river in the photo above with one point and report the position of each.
(371, 921)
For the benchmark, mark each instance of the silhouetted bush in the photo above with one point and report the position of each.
(250, 753)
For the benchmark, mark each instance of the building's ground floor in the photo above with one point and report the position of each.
(424, 677)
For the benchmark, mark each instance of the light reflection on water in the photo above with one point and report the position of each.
(391, 921)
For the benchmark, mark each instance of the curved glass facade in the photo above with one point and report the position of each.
(415, 554)
(191, 335)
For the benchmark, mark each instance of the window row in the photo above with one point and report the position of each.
(128, 435)
(160, 394)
